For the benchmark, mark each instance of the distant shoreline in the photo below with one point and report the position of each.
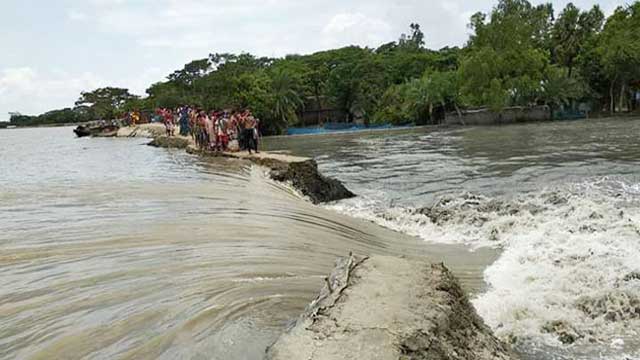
(10, 127)
(599, 116)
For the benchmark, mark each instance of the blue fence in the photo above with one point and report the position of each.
(569, 115)
(340, 127)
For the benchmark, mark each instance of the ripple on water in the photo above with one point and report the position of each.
(145, 253)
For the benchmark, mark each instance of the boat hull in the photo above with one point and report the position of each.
(97, 131)
(81, 131)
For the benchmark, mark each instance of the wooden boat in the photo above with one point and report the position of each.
(82, 131)
(97, 130)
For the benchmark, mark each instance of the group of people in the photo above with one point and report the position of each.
(215, 130)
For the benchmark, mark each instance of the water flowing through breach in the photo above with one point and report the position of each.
(112, 249)
(560, 201)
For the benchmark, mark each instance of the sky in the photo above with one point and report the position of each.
(51, 50)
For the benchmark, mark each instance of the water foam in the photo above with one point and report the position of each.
(568, 276)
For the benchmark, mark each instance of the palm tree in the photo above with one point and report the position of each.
(419, 99)
(286, 98)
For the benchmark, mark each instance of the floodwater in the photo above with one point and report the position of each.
(560, 201)
(110, 249)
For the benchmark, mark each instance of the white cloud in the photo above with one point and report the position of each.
(138, 84)
(25, 90)
(76, 15)
(107, 2)
(16, 79)
(358, 29)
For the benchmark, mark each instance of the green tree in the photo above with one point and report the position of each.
(252, 90)
(343, 83)
(417, 99)
(414, 41)
(393, 109)
(287, 100)
(571, 33)
(191, 72)
(61, 116)
(560, 88)
(444, 89)
(508, 52)
(106, 103)
(619, 51)
(167, 95)
(356, 81)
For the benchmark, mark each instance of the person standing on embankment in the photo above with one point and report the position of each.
(169, 124)
(250, 132)
(184, 121)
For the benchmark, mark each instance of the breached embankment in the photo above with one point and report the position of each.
(370, 308)
(389, 308)
(301, 173)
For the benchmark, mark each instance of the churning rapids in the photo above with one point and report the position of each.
(111, 249)
(561, 201)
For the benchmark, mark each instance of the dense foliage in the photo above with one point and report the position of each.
(63, 116)
(106, 103)
(518, 55)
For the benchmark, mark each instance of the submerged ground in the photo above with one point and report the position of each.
(114, 249)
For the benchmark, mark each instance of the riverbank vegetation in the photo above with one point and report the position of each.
(519, 54)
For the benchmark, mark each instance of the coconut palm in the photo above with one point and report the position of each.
(286, 97)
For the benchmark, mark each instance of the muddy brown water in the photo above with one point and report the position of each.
(110, 249)
(560, 200)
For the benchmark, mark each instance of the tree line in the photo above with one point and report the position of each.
(519, 54)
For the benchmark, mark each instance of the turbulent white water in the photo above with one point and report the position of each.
(569, 268)
(561, 202)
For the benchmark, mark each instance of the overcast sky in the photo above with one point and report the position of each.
(51, 50)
